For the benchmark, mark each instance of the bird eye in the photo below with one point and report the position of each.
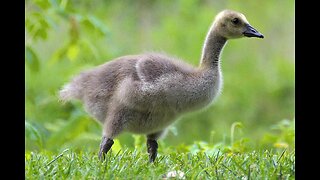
(235, 21)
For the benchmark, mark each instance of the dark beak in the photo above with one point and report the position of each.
(251, 32)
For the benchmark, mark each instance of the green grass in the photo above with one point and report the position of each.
(133, 164)
(237, 157)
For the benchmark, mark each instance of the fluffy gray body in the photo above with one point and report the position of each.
(143, 93)
(146, 93)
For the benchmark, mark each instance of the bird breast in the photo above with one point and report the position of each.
(172, 93)
(194, 93)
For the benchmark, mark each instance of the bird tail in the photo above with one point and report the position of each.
(68, 92)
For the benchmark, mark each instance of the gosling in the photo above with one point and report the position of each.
(144, 94)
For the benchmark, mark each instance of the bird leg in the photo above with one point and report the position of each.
(105, 146)
(152, 147)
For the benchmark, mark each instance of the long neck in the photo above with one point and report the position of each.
(212, 49)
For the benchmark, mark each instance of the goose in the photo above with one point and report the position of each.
(146, 93)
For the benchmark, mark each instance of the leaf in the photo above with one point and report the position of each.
(33, 134)
(233, 127)
(41, 33)
(37, 25)
(73, 52)
(32, 59)
(98, 24)
(94, 24)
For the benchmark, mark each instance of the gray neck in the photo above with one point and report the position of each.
(212, 50)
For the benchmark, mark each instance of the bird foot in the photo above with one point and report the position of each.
(105, 146)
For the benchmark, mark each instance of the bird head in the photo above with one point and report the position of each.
(231, 25)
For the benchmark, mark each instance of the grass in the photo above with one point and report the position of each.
(128, 164)
(272, 157)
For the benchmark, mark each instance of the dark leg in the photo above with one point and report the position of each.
(152, 146)
(111, 128)
(105, 146)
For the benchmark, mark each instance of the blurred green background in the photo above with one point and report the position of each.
(64, 37)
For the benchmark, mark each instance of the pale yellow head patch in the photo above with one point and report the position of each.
(225, 25)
